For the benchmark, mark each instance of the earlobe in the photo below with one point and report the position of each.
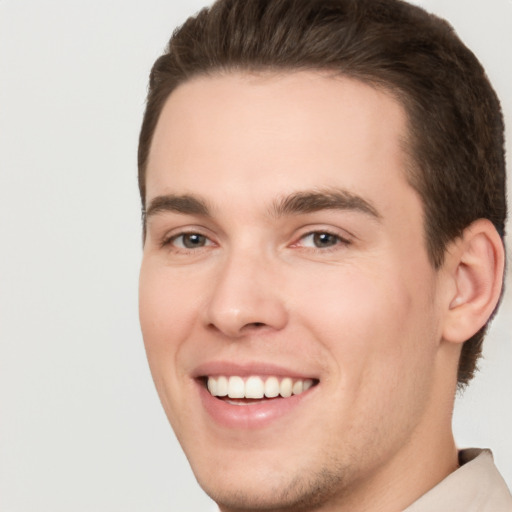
(476, 266)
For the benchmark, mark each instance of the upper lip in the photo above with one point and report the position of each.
(228, 368)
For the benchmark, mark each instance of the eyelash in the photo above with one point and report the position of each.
(168, 241)
(339, 241)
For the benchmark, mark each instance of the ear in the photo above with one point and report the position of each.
(475, 266)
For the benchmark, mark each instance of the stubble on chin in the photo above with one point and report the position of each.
(304, 493)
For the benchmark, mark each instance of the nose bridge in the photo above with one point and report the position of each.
(245, 295)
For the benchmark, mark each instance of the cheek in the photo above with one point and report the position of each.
(165, 319)
(165, 311)
(372, 324)
(381, 352)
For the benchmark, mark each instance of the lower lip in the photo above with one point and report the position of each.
(252, 416)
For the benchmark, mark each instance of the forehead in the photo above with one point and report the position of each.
(220, 131)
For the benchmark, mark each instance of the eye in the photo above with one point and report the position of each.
(322, 240)
(189, 241)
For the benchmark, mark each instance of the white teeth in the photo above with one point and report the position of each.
(255, 387)
(298, 387)
(222, 386)
(307, 384)
(236, 387)
(271, 387)
(285, 389)
(212, 386)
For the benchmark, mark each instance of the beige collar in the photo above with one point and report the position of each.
(476, 486)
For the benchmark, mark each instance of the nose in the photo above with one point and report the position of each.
(245, 297)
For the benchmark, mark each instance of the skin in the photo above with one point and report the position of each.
(366, 313)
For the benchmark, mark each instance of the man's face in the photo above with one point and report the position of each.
(285, 249)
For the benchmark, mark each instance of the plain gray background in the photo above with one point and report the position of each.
(81, 428)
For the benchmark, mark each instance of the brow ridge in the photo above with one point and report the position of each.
(327, 199)
(185, 204)
(301, 202)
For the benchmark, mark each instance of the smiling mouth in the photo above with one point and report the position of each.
(238, 390)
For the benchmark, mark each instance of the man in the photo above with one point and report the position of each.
(323, 190)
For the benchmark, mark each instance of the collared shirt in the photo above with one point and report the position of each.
(476, 486)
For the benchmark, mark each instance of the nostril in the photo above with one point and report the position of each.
(253, 326)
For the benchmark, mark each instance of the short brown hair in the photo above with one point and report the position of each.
(455, 139)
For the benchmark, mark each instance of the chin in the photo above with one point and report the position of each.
(271, 489)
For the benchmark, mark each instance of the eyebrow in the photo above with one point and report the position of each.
(307, 201)
(328, 199)
(185, 204)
